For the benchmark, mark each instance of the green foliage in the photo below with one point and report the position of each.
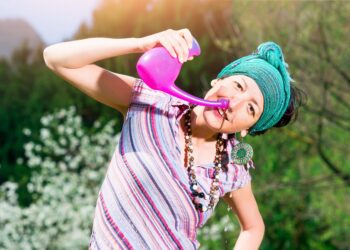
(303, 195)
(28, 90)
(220, 231)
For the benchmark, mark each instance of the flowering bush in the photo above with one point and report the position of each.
(69, 163)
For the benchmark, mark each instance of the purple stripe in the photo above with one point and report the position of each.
(169, 164)
(93, 240)
(137, 198)
(112, 223)
(122, 153)
(153, 206)
(166, 200)
(124, 212)
(105, 223)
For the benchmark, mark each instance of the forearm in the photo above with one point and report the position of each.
(249, 239)
(78, 53)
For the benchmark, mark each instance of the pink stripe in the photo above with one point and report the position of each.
(196, 215)
(103, 224)
(155, 144)
(137, 200)
(152, 204)
(179, 189)
(111, 221)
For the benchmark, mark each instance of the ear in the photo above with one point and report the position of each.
(244, 132)
(213, 82)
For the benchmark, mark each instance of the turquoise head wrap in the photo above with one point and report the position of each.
(267, 67)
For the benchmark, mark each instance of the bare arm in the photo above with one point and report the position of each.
(74, 62)
(244, 206)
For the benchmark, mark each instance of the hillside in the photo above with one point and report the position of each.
(13, 32)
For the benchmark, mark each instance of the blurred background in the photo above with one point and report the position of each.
(55, 143)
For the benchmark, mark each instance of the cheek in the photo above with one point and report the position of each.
(242, 120)
(219, 125)
(208, 115)
(211, 91)
(212, 120)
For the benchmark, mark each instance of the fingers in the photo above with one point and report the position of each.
(188, 36)
(181, 47)
(169, 47)
(178, 43)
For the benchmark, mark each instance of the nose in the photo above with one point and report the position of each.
(234, 101)
(234, 98)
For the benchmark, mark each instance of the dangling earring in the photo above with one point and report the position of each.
(242, 152)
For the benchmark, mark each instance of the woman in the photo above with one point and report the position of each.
(174, 161)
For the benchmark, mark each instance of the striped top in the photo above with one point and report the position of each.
(144, 201)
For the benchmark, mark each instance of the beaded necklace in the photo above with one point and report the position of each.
(213, 196)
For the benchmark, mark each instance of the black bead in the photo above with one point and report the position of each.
(191, 187)
(201, 195)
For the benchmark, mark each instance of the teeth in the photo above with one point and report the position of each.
(222, 113)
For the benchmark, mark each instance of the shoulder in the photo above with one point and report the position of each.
(153, 103)
(143, 94)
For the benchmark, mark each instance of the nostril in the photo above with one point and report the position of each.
(224, 103)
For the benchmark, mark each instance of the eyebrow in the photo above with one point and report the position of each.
(253, 100)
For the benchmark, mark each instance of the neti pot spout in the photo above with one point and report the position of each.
(159, 70)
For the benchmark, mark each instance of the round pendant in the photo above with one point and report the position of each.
(242, 153)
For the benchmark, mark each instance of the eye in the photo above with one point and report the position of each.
(239, 85)
(251, 109)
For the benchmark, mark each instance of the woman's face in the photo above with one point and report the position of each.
(245, 108)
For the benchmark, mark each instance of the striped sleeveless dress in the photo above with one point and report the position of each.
(144, 201)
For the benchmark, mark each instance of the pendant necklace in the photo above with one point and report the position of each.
(198, 195)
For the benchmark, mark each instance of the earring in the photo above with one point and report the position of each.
(242, 152)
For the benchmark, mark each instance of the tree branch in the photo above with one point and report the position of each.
(345, 177)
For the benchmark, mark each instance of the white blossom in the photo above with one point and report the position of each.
(69, 131)
(28, 147)
(44, 133)
(97, 124)
(60, 129)
(63, 141)
(34, 161)
(27, 131)
(19, 161)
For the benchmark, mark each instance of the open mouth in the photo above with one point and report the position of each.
(222, 113)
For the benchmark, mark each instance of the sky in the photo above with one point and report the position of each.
(54, 20)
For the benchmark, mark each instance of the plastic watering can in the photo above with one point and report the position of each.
(159, 70)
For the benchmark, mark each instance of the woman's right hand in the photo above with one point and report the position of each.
(176, 42)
